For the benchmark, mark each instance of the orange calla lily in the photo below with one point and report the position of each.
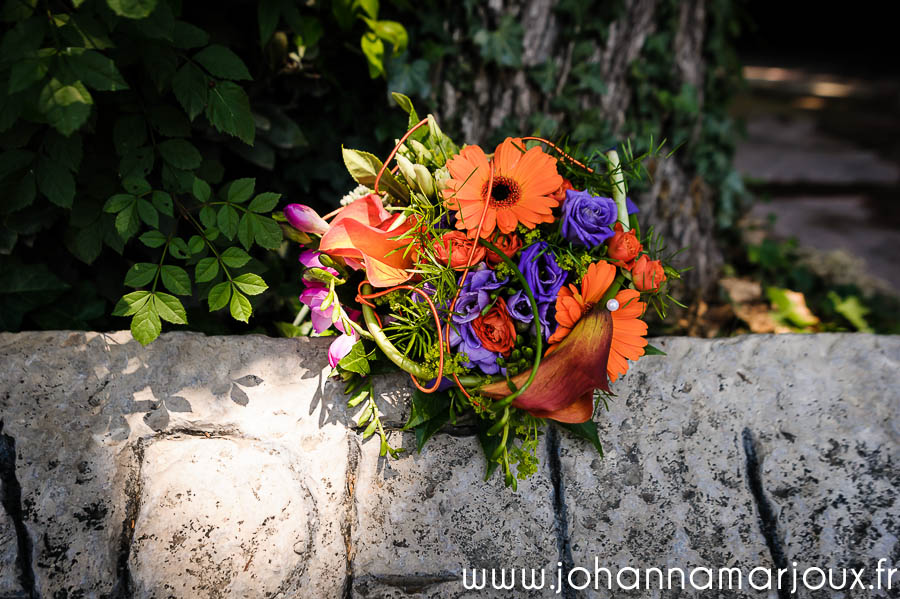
(363, 231)
(563, 388)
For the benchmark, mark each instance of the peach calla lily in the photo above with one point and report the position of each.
(364, 231)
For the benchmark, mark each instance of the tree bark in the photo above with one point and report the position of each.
(678, 203)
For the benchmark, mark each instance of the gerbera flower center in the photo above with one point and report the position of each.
(504, 192)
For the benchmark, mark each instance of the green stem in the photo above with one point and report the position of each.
(385, 345)
(613, 289)
(619, 189)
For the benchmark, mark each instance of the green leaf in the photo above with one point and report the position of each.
(250, 283)
(650, 350)
(427, 429)
(373, 50)
(132, 9)
(208, 216)
(153, 239)
(206, 270)
(179, 249)
(585, 430)
(130, 303)
(145, 325)
(169, 308)
(119, 202)
(176, 280)
(228, 221)
(136, 185)
(169, 121)
(148, 213)
(264, 202)
(196, 244)
(187, 36)
(425, 406)
(127, 222)
(14, 160)
(229, 111)
(129, 133)
(390, 31)
(240, 190)
(180, 154)
(489, 445)
(219, 296)
(66, 107)
(97, 71)
(56, 182)
(247, 230)
(65, 150)
(162, 201)
(267, 232)
(240, 307)
(405, 103)
(137, 163)
(364, 167)
(26, 72)
(140, 274)
(369, 7)
(289, 330)
(20, 194)
(201, 190)
(235, 257)
(191, 88)
(222, 62)
(85, 243)
(267, 14)
(356, 361)
(503, 46)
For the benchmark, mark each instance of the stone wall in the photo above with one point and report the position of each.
(228, 467)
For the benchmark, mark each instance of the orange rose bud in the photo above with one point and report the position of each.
(648, 274)
(508, 244)
(453, 250)
(496, 329)
(560, 194)
(624, 247)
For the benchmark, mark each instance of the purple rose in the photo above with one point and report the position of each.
(588, 219)
(632, 207)
(543, 274)
(466, 341)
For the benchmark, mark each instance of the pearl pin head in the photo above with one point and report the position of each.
(612, 305)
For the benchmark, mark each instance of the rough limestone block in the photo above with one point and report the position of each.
(830, 453)
(422, 518)
(234, 518)
(671, 491)
(9, 570)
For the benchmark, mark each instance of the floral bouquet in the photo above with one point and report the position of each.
(510, 286)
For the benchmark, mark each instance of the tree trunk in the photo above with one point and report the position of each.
(678, 203)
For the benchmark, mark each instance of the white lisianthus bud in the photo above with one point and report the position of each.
(424, 179)
(406, 167)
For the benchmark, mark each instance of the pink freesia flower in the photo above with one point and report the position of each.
(313, 296)
(303, 218)
(341, 346)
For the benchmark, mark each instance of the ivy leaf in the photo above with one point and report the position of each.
(148, 213)
(240, 307)
(206, 270)
(66, 107)
(235, 257)
(250, 283)
(56, 182)
(132, 9)
(373, 49)
(219, 296)
(201, 190)
(153, 239)
(229, 111)
(356, 361)
(169, 308)
(180, 154)
(162, 201)
(140, 274)
(585, 430)
(176, 280)
(240, 190)
(228, 221)
(97, 71)
(222, 62)
(145, 325)
(264, 202)
(267, 232)
(130, 303)
(191, 88)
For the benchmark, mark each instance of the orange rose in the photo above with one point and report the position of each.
(508, 244)
(624, 247)
(496, 329)
(453, 249)
(648, 274)
(560, 194)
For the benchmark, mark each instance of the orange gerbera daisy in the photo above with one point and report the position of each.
(628, 334)
(521, 192)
